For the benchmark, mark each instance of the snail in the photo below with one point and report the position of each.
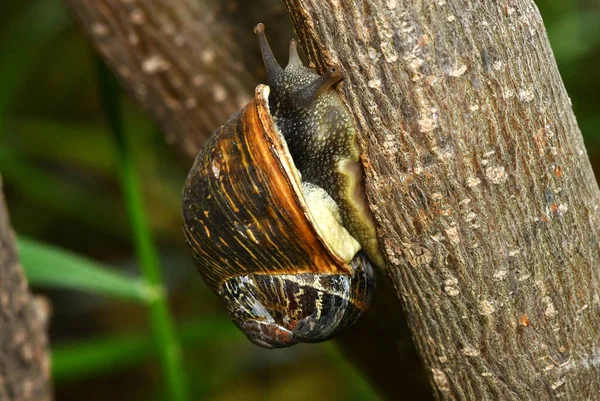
(275, 214)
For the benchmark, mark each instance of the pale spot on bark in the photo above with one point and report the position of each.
(525, 95)
(99, 29)
(154, 64)
(373, 54)
(374, 83)
(562, 208)
(133, 39)
(500, 274)
(437, 237)
(486, 308)
(550, 310)
(470, 351)
(388, 52)
(470, 216)
(451, 291)
(496, 175)
(198, 80)
(391, 4)
(498, 65)
(208, 56)
(426, 124)
(219, 93)
(473, 182)
(137, 17)
(557, 384)
(453, 235)
(190, 103)
(451, 18)
(440, 379)
(458, 71)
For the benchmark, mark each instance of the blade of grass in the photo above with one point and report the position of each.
(51, 266)
(162, 326)
(74, 361)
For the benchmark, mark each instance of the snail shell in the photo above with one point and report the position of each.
(272, 246)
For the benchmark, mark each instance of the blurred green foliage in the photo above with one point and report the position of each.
(63, 175)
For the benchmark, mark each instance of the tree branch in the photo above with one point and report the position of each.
(24, 358)
(190, 63)
(485, 199)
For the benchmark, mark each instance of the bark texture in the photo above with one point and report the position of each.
(486, 203)
(485, 199)
(190, 63)
(24, 357)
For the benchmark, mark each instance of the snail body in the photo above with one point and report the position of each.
(271, 238)
(321, 137)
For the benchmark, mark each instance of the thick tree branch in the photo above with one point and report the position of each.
(190, 63)
(486, 202)
(24, 358)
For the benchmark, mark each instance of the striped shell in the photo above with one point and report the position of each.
(272, 247)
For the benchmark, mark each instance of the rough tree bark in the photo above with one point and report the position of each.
(485, 200)
(190, 63)
(24, 357)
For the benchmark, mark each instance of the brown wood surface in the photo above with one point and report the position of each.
(190, 63)
(477, 175)
(483, 193)
(24, 356)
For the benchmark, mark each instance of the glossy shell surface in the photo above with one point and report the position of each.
(255, 241)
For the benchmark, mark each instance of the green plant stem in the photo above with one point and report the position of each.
(162, 325)
(50, 266)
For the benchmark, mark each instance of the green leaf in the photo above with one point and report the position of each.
(50, 266)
